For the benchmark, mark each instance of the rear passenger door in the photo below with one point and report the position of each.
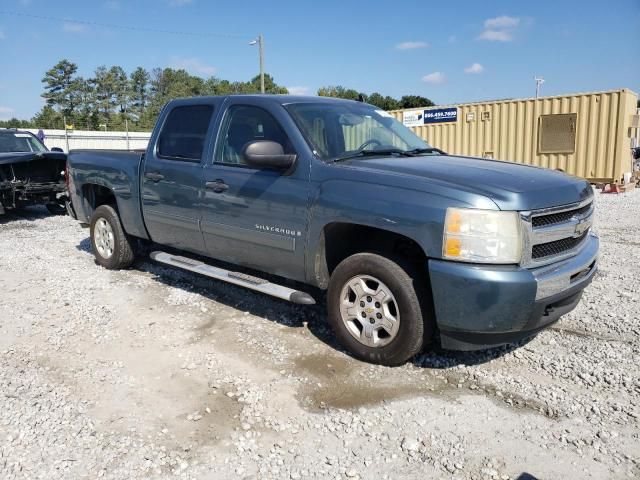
(172, 177)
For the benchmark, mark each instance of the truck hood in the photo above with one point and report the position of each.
(20, 157)
(511, 186)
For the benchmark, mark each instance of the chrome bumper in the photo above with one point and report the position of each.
(560, 276)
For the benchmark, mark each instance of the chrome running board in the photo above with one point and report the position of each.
(236, 278)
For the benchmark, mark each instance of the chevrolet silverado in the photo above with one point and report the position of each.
(411, 245)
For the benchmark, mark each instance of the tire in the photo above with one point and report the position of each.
(56, 209)
(392, 343)
(111, 246)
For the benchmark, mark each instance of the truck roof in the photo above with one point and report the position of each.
(281, 99)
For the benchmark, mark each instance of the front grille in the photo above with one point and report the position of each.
(554, 218)
(555, 248)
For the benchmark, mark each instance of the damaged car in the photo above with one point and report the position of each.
(30, 174)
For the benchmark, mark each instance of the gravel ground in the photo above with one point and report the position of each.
(156, 373)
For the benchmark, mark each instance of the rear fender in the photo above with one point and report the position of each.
(128, 206)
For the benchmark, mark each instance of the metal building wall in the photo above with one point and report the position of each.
(604, 129)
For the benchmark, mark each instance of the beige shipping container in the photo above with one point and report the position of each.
(586, 134)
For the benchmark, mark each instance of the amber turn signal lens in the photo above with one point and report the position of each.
(453, 247)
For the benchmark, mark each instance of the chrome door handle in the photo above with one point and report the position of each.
(217, 186)
(154, 176)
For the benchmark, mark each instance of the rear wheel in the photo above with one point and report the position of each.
(377, 308)
(112, 247)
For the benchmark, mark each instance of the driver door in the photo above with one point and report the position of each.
(255, 217)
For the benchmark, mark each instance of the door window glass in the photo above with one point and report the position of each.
(184, 133)
(245, 124)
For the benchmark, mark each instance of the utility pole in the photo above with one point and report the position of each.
(260, 42)
(126, 126)
(539, 82)
(66, 135)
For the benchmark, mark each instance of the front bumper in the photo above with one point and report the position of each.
(483, 306)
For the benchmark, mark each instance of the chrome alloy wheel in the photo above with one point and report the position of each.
(103, 238)
(369, 311)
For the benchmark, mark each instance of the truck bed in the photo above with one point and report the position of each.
(116, 168)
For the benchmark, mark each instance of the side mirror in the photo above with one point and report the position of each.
(57, 149)
(267, 154)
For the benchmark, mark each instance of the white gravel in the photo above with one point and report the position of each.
(155, 373)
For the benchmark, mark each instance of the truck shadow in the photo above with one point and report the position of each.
(311, 317)
(436, 358)
(85, 245)
(29, 214)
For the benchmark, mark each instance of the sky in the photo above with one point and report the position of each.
(448, 51)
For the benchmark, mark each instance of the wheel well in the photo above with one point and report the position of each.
(341, 240)
(94, 195)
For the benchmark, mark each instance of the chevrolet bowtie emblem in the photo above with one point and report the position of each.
(581, 227)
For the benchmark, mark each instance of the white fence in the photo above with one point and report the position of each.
(94, 139)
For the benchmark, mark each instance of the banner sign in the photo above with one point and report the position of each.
(416, 118)
(413, 119)
(439, 115)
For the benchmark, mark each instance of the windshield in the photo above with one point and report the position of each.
(14, 142)
(337, 130)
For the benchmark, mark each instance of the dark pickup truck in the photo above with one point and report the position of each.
(29, 173)
(412, 245)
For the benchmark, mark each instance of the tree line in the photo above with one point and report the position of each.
(384, 102)
(112, 99)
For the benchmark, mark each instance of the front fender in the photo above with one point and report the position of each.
(415, 214)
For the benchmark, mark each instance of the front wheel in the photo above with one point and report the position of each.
(377, 308)
(112, 247)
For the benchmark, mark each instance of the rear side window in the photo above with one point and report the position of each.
(184, 133)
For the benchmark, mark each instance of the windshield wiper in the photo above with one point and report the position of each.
(418, 151)
(371, 153)
(388, 151)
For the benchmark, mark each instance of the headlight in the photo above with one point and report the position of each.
(482, 236)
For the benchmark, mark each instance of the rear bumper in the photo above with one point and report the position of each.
(480, 307)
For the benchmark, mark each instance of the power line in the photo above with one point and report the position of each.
(122, 27)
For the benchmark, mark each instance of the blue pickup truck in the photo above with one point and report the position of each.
(412, 245)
